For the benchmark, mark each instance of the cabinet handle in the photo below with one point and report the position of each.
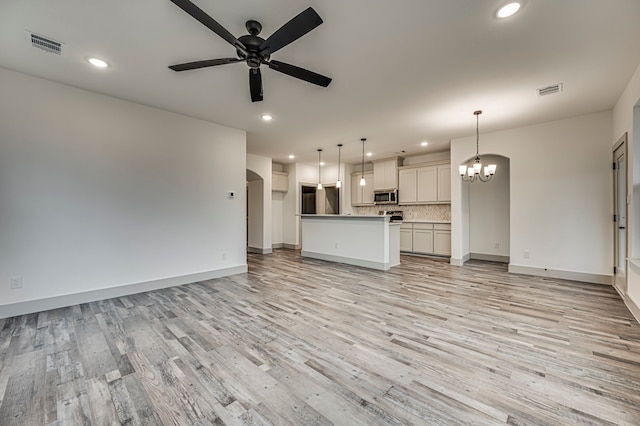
(621, 227)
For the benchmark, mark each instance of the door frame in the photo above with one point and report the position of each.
(620, 277)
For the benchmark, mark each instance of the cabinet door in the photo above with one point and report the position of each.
(356, 191)
(406, 240)
(378, 175)
(367, 190)
(444, 183)
(407, 189)
(427, 186)
(279, 183)
(390, 175)
(442, 242)
(423, 241)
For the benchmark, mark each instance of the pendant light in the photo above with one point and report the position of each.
(338, 182)
(319, 170)
(472, 173)
(362, 181)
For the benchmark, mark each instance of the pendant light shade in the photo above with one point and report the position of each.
(338, 182)
(319, 170)
(475, 172)
(362, 181)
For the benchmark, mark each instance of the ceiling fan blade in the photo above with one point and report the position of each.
(203, 64)
(291, 31)
(209, 22)
(300, 73)
(255, 84)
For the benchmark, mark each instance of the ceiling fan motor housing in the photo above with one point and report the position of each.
(252, 42)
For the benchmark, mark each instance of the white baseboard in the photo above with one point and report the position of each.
(630, 304)
(489, 257)
(37, 305)
(259, 250)
(291, 246)
(277, 245)
(565, 275)
(456, 261)
(348, 260)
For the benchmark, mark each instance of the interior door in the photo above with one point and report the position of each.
(620, 216)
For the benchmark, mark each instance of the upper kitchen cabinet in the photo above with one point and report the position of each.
(444, 183)
(385, 173)
(425, 185)
(362, 195)
(279, 181)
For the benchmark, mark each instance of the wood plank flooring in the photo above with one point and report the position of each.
(305, 342)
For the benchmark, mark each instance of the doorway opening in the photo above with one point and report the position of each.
(488, 205)
(620, 214)
(323, 201)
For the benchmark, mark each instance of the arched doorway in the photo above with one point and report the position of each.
(486, 206)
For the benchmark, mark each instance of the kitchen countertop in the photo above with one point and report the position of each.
(427, 221)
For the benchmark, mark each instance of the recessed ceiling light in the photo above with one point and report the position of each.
(369, 154)
(267, 117)
(508, 10)
(291, 157)
(98, 63)
(424, 143)
(322, 163)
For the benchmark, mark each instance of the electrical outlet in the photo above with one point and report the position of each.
(496, 245)
(224, 256)
(15, 282)
(336, 244)
(525, 254)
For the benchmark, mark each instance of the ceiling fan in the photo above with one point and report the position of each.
(255, 50)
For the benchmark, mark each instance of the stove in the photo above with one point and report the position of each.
(394, 215)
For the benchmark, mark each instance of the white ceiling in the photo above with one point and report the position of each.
(403, 71)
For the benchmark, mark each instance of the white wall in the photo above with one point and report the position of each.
(489, 210)
(626, 118)
(98, 193)
(255, 208)
(260, 209)
(561, 201)
(277, 218)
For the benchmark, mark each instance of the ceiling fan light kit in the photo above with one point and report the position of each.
(256, 51)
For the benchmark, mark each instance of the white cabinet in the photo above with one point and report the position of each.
(407, 189)
(423, 238)
(426, 238)
(279, 182)
(444, 183)
(406, 237)
(425, 185)
(442, 239)
(362, 195)
(385, 174)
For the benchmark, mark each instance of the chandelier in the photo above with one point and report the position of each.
(473, 173)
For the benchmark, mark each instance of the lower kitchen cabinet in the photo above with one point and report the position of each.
(426, 238)
(423, 238)
(442, 239)
(406, 237)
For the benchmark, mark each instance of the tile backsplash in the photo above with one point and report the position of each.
(439, 212)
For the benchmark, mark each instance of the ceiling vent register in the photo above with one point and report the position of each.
(46, 44)
(550, 90)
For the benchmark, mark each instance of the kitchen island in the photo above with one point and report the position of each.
(369, 241)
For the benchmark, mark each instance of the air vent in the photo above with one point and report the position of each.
(550, 90)
(45, 43)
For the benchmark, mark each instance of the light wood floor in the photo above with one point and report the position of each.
(302, 341)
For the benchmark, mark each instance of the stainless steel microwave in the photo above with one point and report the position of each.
(385, 197)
